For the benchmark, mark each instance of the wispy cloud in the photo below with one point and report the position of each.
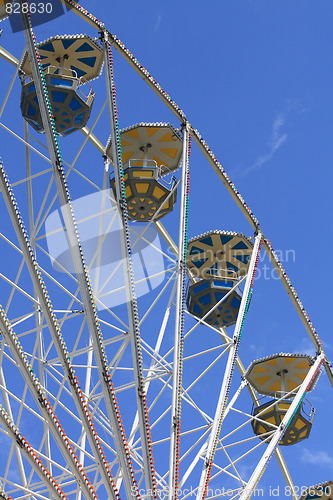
(277, 139)
(319, 458)
(158, 22)
(305, 347)
(245, 471)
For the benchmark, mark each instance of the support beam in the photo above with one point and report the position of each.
(225, 388)
(177, 384)
(31, 456)
(133, 317)
(93, 139)
(8, 57)
(54, 328)
(10, 414)
(81, 269)
(215, 164)
(38, 315)
(44, 405)
(278, 435)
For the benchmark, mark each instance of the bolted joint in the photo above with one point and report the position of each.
(181, 265)
(19, 442)
(42, 402)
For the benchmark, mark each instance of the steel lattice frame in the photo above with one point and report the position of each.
(100, 405)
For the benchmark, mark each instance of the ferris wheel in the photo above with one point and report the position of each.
(120, 368)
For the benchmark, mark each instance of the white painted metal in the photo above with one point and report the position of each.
(36, 392)
(155, 358)
(79, 265)
(16, 447)
(179, 321)
(301, 392)
(45, 303)
(129, 283)
(221, 405)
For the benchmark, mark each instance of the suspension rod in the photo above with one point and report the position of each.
(215, 164)
(177, 385)
(81, 269)
(54, 328)
(43, 404)
(278, 435)
(132, 309)
(225, 388)
(32, 457)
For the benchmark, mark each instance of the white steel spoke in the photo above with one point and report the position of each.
(179, 326)
(15, 284)
(89, 134)
(59, 357)
(49, 315)
(16, 448)
(24, 142)
(262, 464)
(222, 403)
(134, 330)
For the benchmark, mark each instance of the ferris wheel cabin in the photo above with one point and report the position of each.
(207, 293)
(150, 153)
(71, 109)
(279, 377)
(219, 259)
(69, 62)
(324, 491)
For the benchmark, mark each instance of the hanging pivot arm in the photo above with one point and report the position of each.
(132, 308)
(177, 386)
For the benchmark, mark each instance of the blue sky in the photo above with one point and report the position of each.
(255, 77)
